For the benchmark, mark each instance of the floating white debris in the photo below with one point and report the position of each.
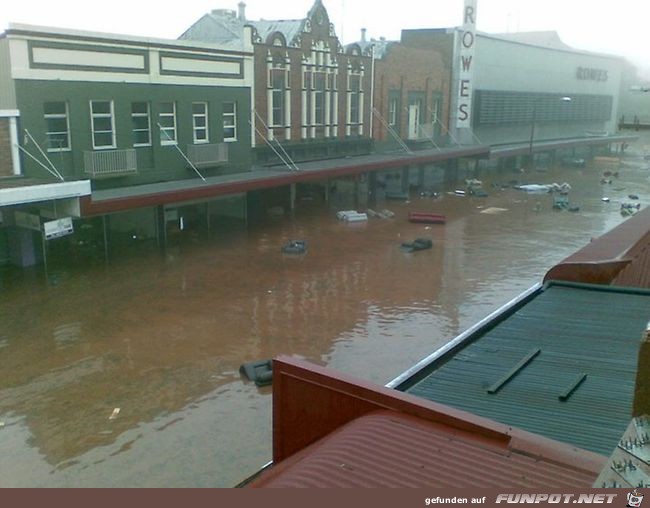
(356, 217)
(344, 213)
(534, 187)
(493, 210)
(114, 414)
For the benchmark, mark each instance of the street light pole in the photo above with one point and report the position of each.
(531, 158)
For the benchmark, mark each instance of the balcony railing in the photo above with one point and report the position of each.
(208, 154)
(110, 163)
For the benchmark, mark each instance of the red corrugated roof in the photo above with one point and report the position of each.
(392, 449)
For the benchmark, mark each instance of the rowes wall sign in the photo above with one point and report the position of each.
(590, 74)
(466, 53)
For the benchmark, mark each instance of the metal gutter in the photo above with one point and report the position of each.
(523, 148)
(46, 192)
(102, 202)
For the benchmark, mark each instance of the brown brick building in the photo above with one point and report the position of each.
(411, 94)
(312, 95)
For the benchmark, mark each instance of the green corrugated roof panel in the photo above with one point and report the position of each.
(578, 329)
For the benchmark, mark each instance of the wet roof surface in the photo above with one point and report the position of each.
(579, 337)
(390, 449)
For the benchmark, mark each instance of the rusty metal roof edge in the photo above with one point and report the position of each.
(596, 287)
(413, 374)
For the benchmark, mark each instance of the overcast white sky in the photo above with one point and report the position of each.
(619, 27)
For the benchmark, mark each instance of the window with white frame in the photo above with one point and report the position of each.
(278, 85)
(141, 124)
(167, 122)
(200, 122)
(57, 126)
(319, 98)
(355, 94)
(392, 112)
(102, 120)
(229, 121)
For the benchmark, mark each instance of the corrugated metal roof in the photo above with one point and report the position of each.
(290, 28)
(217, 28)
(578, 329)
(390, 449)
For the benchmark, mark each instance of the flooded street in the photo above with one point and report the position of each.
(161, 337)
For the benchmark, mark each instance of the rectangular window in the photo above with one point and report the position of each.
(167, 121)
(200, 122)
(102, 121)
(57, 126)
(141, 124)
(354, 82)
(319, 98)
(229, 121)
(277, 98)
(392, 112)
(435, 111)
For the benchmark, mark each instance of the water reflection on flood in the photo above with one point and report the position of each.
(162, 336)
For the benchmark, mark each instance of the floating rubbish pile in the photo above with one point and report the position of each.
(417, 244)
(294, 247)
(351, 216)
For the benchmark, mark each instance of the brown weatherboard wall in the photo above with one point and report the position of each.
(6, 164)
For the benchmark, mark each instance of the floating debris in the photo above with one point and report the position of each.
(417, 244)
(493, 210)
(260, 372)
(534, 188)
(114, 414)
(605, 200)
(427, 217)
(560, 202)
(294, 247)
(351, 216)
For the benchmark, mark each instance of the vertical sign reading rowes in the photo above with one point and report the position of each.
(466, 53)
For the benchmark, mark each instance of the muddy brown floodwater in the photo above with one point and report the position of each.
(162, 336)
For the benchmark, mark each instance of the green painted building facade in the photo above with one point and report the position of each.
(86, 115)
(126, 111)
(70, 120)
